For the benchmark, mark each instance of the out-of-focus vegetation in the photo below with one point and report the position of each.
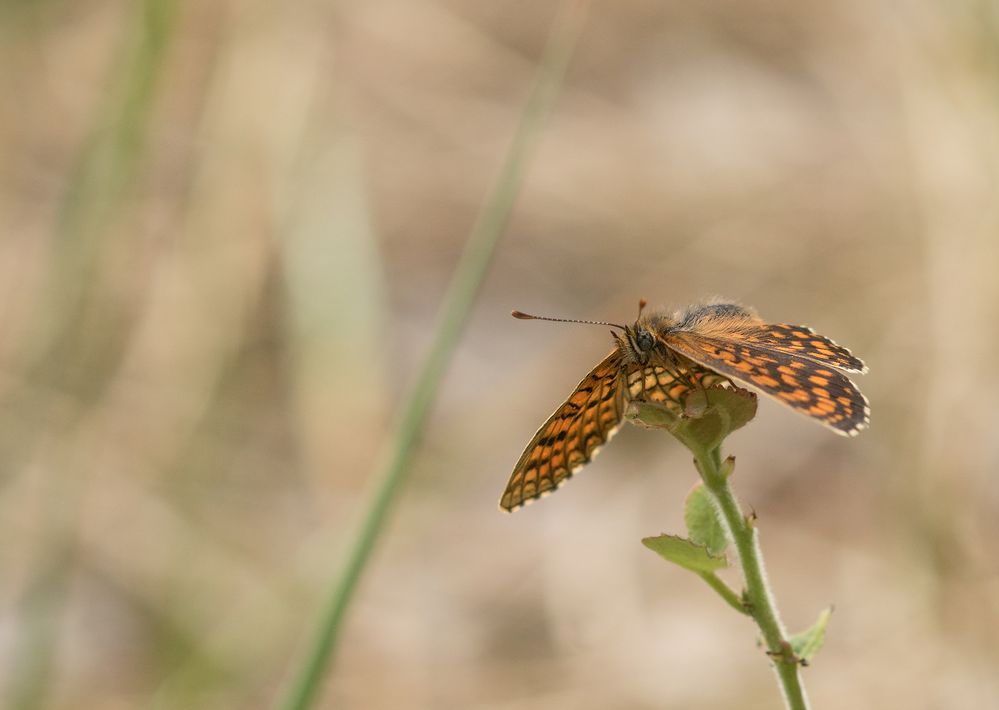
(227, 228)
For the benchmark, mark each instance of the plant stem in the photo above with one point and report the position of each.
(730, 597)
(758, 599)
(469, 274)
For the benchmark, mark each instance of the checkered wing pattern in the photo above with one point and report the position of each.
(572, 435)
(666, 387)
(590, 417)
(804, 342)
(798, 378)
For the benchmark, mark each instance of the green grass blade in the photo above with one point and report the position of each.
(468, 276)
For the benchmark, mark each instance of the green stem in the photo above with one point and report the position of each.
(730, 597)
(468, 276)
(758, 600)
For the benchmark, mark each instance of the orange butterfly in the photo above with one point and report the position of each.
(662, 357)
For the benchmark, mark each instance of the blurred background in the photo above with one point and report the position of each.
(227, 229)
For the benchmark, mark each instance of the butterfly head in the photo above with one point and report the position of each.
(637, 343)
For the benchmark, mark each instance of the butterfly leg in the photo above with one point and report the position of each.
(682, 369)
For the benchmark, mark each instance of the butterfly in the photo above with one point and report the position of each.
(665, 355)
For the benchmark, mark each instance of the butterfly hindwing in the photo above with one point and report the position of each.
(668, 386)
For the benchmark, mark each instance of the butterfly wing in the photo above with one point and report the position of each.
(590, 417)
(668, 386)
(804, 342)
(797, 380)
(571, 436)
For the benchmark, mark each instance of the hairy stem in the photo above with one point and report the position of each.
(758, 600)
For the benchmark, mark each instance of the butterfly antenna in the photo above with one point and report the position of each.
(642, 303)
(528, 316)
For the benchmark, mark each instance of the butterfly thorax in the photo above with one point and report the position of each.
(646, 339)
(707, 319)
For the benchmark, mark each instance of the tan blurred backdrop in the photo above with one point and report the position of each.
(226, 231)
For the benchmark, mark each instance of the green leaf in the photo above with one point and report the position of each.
(708, 416)
(808, 642)
(653, 416)
(703, 523)
(732, 408)
(686, 553)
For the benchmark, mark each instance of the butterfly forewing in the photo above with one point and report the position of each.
(802, 341)
(590, 417)
(800, 382)
(571, 436)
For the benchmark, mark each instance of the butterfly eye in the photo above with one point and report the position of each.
(644, 341)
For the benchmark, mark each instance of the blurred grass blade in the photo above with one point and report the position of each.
(468, 276)
(99, 185)
(95, 194)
